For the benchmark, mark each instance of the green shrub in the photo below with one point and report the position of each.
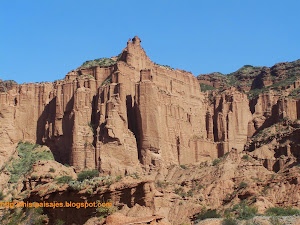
(205, 87)
(59, 222)
(83, 76)
(295, 93)
(183, 167)
(98, 62)
(135, 176)
(1, 195)
(34, 176)
(92, 126)
(243, 211)
(51, 170)
(89, 191)
(27, 216)
(87, 174)
(12, 217)
(246, 157)
(243, 185)
(277, 211)
(28, 155)
(108, 80)
(64, 179)
(158, 183)
(48, 175)
(216, 162)
(178, 190)
(190, 193)
(165, 66)
(103, 212)
(118, 178)
(75, 185)
(225, 155)
(275, 221)
(35, 216)
(254, 93)
(52, 188)
(205, 214)
(230, 221)
(108, 182)
(183, 194)
(161, 184)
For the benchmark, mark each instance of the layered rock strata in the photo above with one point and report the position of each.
(130, 115)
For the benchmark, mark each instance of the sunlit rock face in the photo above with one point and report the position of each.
(126, 113)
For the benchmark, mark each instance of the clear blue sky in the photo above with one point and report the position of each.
(41, 40)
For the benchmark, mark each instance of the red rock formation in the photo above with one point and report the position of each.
(128, 193)
(147, 113)
(133, 114)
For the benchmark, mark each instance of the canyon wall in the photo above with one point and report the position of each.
(130, 116)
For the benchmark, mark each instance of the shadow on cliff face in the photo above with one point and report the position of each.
(133, 118)
(131, 115)
(95, 119)
(215, 121)
(271, 119)
(59, 144)
(46, 118)
(258, 81)
(252, 104)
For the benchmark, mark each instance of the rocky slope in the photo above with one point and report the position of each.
(166, 147)
(281, 75)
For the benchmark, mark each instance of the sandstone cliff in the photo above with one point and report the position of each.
(123, 114)
(126, 115)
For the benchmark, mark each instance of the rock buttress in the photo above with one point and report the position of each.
(131, 114)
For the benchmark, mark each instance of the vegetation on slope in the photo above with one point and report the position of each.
(277, 211)
(206, 87)
(30, 216)
(253, 93)
(6, 85)
(108, 80)
(28, 154)
(252, 79)
(98, 62)
(244, 73)
(164, 66)
(295, 93)
(83, 76)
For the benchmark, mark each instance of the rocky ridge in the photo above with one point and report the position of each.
(164, 145)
